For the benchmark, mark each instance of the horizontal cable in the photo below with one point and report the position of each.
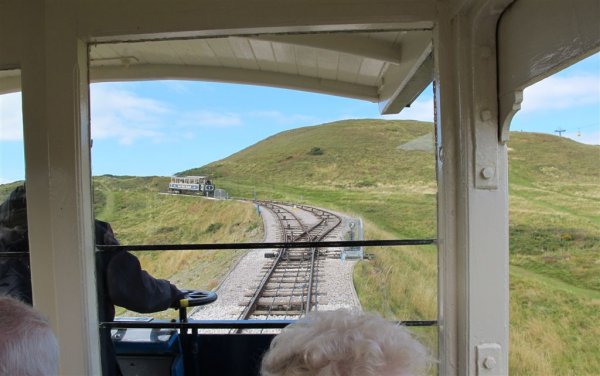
(327, 244)
(225, 324)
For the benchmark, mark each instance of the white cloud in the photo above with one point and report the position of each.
(126, 116)
(555, 93)
(419, 110)
(11, 117)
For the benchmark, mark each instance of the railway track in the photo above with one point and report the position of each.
(289, 286)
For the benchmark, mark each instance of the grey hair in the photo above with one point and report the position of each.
(28, 346)
(345, 343)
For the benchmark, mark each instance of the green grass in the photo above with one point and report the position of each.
(348, 159)
(554, 225)
(139, 214)
(399, 282)
(5, 189)
(554, 327)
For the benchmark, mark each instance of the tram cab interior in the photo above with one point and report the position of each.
(480, 55)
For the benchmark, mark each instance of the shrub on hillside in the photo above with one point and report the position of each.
(316, 151)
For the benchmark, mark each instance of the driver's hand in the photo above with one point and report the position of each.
(175, 303)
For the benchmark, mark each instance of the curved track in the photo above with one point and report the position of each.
(289, 287)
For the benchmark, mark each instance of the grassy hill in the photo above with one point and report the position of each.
(555, 255)
(383, 171)
(361, 166)
(335, 154)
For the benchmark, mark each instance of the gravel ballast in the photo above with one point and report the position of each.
(335, 284)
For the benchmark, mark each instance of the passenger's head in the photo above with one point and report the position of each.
(27, 345)
(345, 343)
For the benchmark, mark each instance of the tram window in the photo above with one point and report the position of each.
(15, 278)
(554, 159)
(268, 155)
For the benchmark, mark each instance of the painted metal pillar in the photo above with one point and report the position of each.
(56, 132)
(473, 193)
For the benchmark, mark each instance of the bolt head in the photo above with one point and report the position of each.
(489, 362)
(487, 172)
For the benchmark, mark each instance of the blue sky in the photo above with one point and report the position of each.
(163, 127)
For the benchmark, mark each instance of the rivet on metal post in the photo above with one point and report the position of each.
(487, 173)
(489, 362)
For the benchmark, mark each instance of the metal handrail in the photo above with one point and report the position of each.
(13, 254)
(228, 324)
(232, 246)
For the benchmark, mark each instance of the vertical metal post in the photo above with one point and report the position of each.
(473, 192)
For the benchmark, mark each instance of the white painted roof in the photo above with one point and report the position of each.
(390, 67)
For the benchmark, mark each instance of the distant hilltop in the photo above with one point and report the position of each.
(362, 153)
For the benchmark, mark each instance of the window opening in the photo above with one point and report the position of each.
(201, 165)
(15, 275)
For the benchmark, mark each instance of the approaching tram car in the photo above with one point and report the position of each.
(192, 185)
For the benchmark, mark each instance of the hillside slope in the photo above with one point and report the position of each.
(367, 153)
(372, 168)
(349, 154)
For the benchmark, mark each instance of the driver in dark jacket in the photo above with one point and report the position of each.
(125, 283)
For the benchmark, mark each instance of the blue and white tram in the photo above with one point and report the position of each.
(198, 185)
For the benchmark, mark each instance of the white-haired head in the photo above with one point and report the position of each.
(345, 343)
(27, 345)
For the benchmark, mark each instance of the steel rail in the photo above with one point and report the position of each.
(286, 233)
(306, 298)
(310, 281)
(324, 215)
(259, 291)
(297, 276)
(314, 252)
(276, 209)
(304, 228)
(274, 205)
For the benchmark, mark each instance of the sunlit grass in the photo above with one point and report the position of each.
(554, 331)
(144, 216)
(399, 282)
